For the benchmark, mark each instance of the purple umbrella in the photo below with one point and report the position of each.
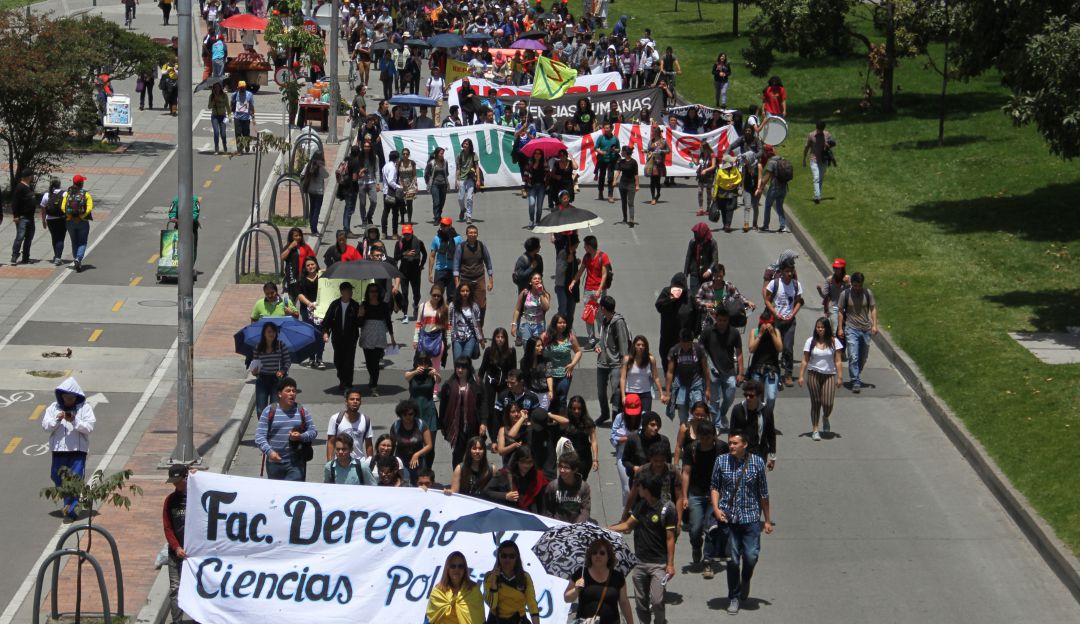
(528, 44)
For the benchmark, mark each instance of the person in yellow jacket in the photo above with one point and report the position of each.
(76, 207)
(508, 588)
(456, 599)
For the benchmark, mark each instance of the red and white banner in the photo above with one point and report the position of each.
(611, 81)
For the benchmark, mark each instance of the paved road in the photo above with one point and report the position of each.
(883, 523)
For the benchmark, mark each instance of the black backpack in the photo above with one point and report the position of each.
(784, 171)
(304, 448)
(52, 208)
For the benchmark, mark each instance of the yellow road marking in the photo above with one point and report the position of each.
(95, 335)
(119, 304)
(217, 168)
(153, 259)
(135, 282)
(37, 412)
(207, 183)
(14, 444)
(67, 372)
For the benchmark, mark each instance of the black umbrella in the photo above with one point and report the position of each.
(477, 37)
(569, 219)
(209, 82)
(362, 270)
(385, 44)
(547, 16)
(418, 43)
(562, 550)
(534, 34)
(496, 519)
(447, 40)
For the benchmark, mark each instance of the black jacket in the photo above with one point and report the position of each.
(24, 203)
(761, 443)
(696, 265)
(342, 333)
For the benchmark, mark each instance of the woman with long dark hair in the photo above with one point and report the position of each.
(581, 431)
(368, 174)
(375, 324)
(706, 172)
(534, 365)
(468, 179)
(656, 162)
(774, 98)
(459, 409)
(640, 374)
(534, 175)
(721, 72)
(412, 439)
(422, 382)
(306, 301)
(563, 354)
(406, 168)
(822, 371)
(292, 261)
(531, 310)
(273, 360)
(508, 588)
(466, 323)
(520, 484)
(432, 326)
(498, 360)
(472, 475)
(560, 177)
(627, 179)
(437, 178)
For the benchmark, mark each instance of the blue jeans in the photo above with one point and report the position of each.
(605, 377)
(771, 381)
(350, 207)
(536, 203)
(744, 546)
(562, 393)
(858, 349)
(78, 231)
(218, 122)
(293, 470)
(464, 348)
(438, 200)
(526, 331)
(465, 191)
(682, 398)
(320, 346)
(241, 128)
(700, 518)
(775, 196)
(314, 211)
(817, 170)
(24, 235)
(723, 396)
(219, 66)
(265, 388)
(75, 461)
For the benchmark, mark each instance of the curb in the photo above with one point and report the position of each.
(1054, 552)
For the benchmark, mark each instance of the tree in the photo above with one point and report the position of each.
(49, 68)
(114, 490)
(1036, 47)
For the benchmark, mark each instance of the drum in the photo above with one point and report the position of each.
(774, 130)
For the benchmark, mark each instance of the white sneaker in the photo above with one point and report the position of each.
(405, 320)
(816, 437)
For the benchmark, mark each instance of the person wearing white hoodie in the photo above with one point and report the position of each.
(69, 421)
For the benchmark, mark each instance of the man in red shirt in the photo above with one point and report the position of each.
(597, 267)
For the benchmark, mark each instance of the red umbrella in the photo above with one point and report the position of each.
(245, 21)
(549, 146)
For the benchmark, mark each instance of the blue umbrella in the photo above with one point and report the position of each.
(408, 99)
(497, 519)
(447, 40)
(297, 335)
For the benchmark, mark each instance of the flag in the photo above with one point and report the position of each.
(552, 79)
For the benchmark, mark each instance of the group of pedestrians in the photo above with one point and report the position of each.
(61, 211)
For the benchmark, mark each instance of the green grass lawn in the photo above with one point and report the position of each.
(961, 244)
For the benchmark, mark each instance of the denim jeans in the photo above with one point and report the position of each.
(293, 470)
(744, 546)
(817, 170)
(314, 211)
(75, 461)
(721, 89)
(57, 231)
(771, 381)
(241, 128)
(265, 388)
(218, 122)
(700, 518)
(774, 196)
(723, 396)
(858, 349)
(604, 379)
(24, 235)
(438, 200)
(350, 208)
(367, 197)
(562, 393)
(566, 304)
(525, 331)
(536, 203)
(219, 66)
(79, 232)
(464, 348)
(465, 191)
(787, 337)
(682, 398)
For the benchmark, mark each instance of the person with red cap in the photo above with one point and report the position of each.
(410, 256)
(830, 291)
(444, 248)
(77, 206)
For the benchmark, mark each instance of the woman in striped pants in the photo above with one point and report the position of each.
(822, 373)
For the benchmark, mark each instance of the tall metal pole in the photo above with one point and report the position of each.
(185, 417)
(335, 97)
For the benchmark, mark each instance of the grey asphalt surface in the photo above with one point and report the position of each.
(884, 522)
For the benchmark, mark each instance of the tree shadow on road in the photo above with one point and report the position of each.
(1052, 310)
(1048, 214)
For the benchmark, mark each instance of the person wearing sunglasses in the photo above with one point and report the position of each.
(456, 598)
(755, 419)
(508, 588)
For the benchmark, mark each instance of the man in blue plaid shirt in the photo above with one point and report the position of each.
(740, 496)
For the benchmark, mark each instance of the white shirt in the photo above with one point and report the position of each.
(389, 178)
(822, 360)
(66, 436)
(359, 431)
(784, 300)
(435, 85)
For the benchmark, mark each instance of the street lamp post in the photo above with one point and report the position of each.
(335, 97)
(185, 452)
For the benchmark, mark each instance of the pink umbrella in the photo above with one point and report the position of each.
(528, 44)
(245, 21)
(549, 146)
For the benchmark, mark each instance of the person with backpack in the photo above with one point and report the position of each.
(777, 173)
(784, 298)
(343, 468)
(857, 321)
(341, 326)
(284, 435)
(387, 72)
(243, 110)
(612, 349)
(471, 261)
(52, 218)
(697, 466)
(77, 207)
(355, 425)
(444, 249)
(819, 144)
(596, 265)
(23, 207)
